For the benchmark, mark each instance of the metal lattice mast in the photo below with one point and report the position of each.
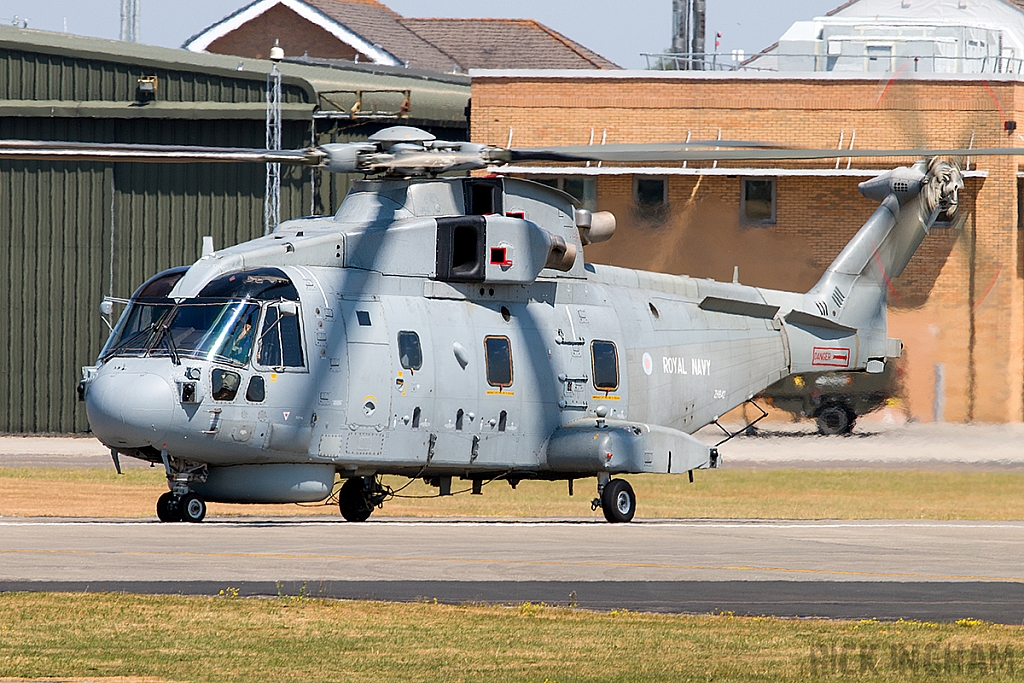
(272, 200)
(130, 20)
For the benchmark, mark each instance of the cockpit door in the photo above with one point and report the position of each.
(369, 363)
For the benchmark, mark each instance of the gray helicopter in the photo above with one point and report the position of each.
(449, 328)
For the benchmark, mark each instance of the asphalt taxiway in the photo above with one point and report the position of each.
(916, 570)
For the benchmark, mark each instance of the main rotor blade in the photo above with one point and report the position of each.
(85, 151)
(679, 152)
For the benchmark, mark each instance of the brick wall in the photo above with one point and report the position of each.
(297, 36)
(958, 305)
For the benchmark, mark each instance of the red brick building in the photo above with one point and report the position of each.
(959, 306)
(368, 31)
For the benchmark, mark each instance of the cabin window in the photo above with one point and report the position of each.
(409, 352)
(757, 200)
(224, 384)
(606, 365)
(499, 361)
(280, 342)
(257, 390)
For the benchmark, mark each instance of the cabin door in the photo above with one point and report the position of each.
(369, 365)
(574, 378)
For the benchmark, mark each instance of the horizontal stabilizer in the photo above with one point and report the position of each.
(735, 307)
(811, 320)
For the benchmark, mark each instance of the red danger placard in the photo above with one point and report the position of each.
(831, 358)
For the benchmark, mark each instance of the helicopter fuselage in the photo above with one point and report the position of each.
(450, 328)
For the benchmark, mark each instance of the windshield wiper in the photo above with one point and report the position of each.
(144, 331)
(170, 344)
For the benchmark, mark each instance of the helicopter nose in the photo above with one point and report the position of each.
(130, 409)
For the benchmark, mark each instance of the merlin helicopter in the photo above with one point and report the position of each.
(449, 328)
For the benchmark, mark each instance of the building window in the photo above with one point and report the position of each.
(583, 190)
(499, 361)
(757, 200)
(650, 196)
(879, 57)
(606, 365)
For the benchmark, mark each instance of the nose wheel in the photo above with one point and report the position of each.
(187, 508)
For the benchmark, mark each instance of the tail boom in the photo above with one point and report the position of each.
(841, 323)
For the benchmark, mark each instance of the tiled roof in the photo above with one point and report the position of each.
(437, 44)
(381, 25)
(505, 44)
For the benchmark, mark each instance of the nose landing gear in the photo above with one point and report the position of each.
(186, 508)
(179, 504)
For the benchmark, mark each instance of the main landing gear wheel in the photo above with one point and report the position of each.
(834, 418)
(618, 501)
(352, 501)
(192, 508)
(167, 508)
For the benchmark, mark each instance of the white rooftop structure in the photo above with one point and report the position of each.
(931, 36)
(928, 36)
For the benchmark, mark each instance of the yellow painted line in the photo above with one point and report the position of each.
(605, 398)
(532, 563)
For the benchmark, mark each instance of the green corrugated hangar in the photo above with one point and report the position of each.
(72, 233)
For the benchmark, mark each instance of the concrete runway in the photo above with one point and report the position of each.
(920, 570)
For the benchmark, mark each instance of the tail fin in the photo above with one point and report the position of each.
(846, 310)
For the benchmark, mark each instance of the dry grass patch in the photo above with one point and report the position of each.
(289, 639)
(755, 494)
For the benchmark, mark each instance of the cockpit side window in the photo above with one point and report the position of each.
(242, 336)
(280, 340)
(291, 344)
(270, 340)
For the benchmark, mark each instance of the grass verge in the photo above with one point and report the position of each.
(764, 494)
(294, 639)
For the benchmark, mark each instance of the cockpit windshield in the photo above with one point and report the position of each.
(222, 331)
(220, 325)
(214, 332)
